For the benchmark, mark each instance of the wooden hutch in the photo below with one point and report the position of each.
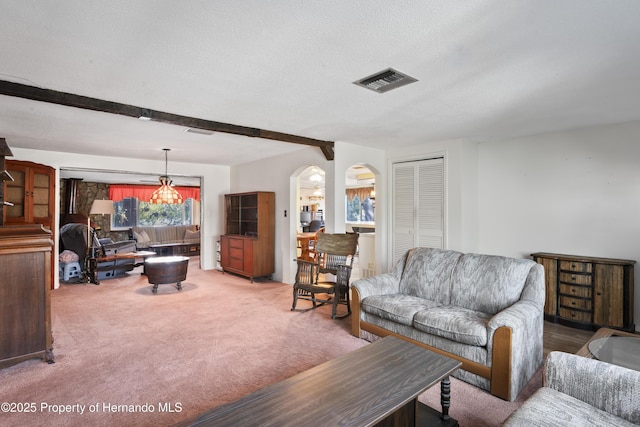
(26, 268)
(248, 246)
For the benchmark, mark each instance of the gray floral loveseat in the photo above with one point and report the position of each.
(483, 310)
(578, 392)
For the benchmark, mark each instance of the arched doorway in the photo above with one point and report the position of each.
(311, 192)
(360, 203)
(307, 202)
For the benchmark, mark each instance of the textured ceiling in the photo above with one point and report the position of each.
(485, 69)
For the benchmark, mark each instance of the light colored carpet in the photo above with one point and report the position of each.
(128, 357)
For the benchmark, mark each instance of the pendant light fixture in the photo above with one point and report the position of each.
(166, 194)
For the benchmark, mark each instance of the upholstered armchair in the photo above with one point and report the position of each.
(579, 391)
(74, 236)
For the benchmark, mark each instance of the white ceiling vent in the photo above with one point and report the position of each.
(200, 131)
(385, 81)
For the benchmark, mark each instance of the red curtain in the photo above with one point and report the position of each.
(118, 192)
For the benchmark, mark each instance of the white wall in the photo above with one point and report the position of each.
(275, 174)
(461, 183)
(278, 174)
(573, 192)
(215, 183)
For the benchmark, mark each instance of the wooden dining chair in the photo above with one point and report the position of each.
(313, 254)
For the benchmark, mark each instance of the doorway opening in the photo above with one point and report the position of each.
(311, 206)
(360, 204)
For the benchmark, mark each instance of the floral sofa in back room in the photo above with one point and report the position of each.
(483, 310)
(147, 236)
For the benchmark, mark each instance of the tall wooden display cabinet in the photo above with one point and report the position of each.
(30, 194)
(248, 246)
(26, 276)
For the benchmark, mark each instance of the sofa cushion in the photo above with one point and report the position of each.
(488, 283)
(550, 407)
(191, 236)
(397, 307)
(455, 323)
(427, 274)
(142, 238)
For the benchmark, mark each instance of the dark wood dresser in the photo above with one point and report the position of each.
(25, 286)
(588, 292)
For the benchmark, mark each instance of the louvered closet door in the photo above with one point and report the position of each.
(418, 205)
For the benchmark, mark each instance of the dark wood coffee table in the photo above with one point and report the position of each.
(378, 384)
(166, 270)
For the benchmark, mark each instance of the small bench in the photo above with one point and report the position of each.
(166, 270)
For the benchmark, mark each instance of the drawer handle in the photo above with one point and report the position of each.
(573, 303)
(573, 278)
(573, 266)
(573, 291)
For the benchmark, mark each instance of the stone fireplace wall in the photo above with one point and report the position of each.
(87, 193)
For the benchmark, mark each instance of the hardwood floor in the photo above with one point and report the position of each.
(563, 338)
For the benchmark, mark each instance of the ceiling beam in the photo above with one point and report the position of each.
(78, 101)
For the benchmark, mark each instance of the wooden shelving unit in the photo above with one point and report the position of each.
(248, 246)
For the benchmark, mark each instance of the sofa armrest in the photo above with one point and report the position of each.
(525, 319)
(608, 387)
(381, 284)
(521, 316)
(119, 247)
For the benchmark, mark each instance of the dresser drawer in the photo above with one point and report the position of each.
(575, 291)
(576, 279)
(582, 304)
(236, 253)
(575, 315)
(578, 267)
(236, 263)
(236, 243)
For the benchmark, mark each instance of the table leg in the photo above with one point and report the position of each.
(92, 270)
(445, 398)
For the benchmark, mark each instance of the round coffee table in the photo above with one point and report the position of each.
(165, 270)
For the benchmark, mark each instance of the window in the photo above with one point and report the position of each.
(360, 204)
(132, 212)
(360, 211)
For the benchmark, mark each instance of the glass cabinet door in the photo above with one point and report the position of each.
(41, 193)
(31, 192)
(15, 194)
